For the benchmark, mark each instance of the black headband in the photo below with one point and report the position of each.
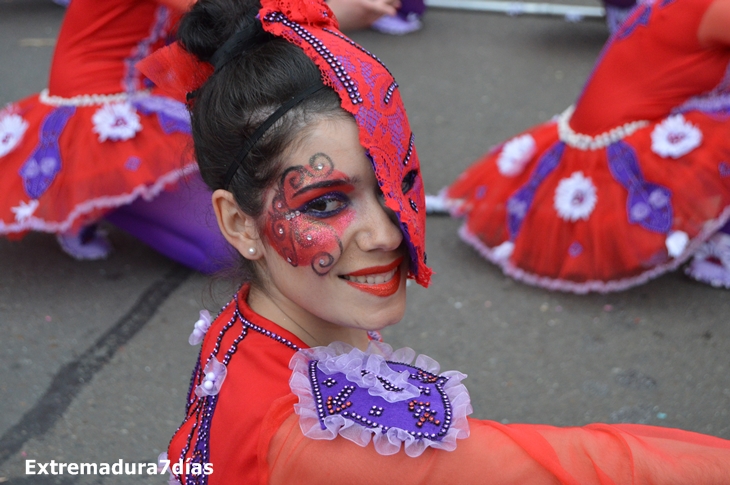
(254, 138)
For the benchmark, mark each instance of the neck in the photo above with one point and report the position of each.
(312, 331)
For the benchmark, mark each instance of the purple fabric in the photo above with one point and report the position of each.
(640, 17)
(620, 3)
(179, 224)
(171, 115)
(45, 162)
(356, 403)
(518, 204)
(647, 204)
(407, 7)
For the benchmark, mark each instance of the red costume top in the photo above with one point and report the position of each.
(629, 184)
(245, 423)
(98, 137)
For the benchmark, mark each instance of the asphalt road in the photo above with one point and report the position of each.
(95, 354)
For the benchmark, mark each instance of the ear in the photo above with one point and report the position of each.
(237, 227)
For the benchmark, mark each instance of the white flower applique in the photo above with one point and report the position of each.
(214, 375)
(676, 243)
(116, 121)
(515, 155)
(24, 210)
(12, 129)
(200, 328)
(575, 197)
(675, 137)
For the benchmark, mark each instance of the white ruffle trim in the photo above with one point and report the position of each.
(146, 192)
(341, 357)
(493, 255)
(587, 142)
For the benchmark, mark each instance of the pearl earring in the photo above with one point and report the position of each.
(251, 251)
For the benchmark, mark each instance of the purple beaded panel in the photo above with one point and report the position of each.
(428, 416)
(520, 202)
(647, 204)
(172, 115)
(41, 168)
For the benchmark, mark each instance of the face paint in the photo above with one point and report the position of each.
(309, 213)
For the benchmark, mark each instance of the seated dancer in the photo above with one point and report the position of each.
(101, 142)
(303, 137)
(395, 17)
(632, 181)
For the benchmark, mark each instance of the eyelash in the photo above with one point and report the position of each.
(332, 196)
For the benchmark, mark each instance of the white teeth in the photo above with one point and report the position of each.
(372, 279)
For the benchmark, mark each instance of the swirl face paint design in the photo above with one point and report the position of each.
(309, 214)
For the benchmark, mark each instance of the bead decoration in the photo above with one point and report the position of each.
(389, 92)
(84, 100)
(420, 419)
(359, 47)
(587, 142)
(332, 60)
(409, 153)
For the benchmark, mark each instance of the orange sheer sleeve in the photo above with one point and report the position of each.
(499, 454)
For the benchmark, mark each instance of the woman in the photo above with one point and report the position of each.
(303, 138)
(101, 142)
(632, 182)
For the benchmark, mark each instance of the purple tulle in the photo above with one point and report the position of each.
(172, 115)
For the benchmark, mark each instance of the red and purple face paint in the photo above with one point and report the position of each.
(309, 213)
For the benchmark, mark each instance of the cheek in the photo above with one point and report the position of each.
(303, 240)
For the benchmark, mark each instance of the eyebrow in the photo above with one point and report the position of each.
(327, 184)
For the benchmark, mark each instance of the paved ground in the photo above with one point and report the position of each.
(96, 357)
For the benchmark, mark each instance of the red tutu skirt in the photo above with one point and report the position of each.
(570, 212)
(64, 163)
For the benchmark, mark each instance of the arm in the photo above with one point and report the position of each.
(503, 454)
(714, 27)
(359, 14)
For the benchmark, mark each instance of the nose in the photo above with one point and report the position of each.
(380, 229)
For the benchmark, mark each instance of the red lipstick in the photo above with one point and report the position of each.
(387, 288)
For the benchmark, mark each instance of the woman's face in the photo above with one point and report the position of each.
(333, 255)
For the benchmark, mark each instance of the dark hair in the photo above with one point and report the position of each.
(240, 95)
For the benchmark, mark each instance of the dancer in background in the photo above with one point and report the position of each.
(303, 137)
(101, 142)
(395, 17)
(632, 181)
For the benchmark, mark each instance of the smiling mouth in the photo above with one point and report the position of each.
(378, 280)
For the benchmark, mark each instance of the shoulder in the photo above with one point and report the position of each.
(389, 397)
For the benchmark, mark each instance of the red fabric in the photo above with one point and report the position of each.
(642, 74)
(97, 38)
(258, 374)
(175, 71)
(99, 43)
(502, 455)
